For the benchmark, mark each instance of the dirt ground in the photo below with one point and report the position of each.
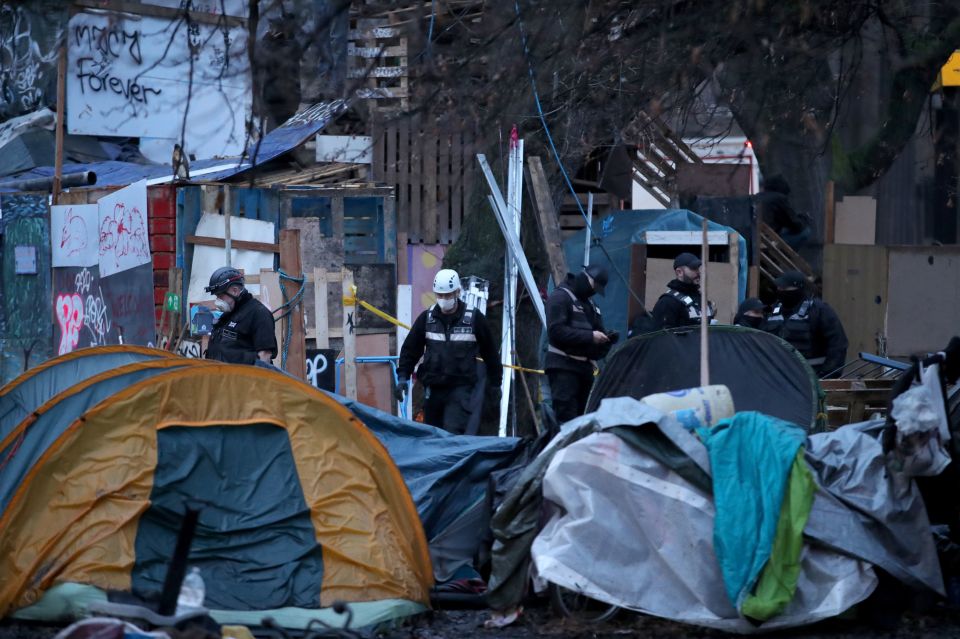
(540, 622)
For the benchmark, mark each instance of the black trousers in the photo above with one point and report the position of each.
(570, 390)
(448, 407)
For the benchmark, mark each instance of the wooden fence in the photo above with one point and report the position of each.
(433, 174)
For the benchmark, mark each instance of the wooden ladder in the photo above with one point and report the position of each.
(776, 256)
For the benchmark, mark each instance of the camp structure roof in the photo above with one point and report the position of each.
(763, 372)
(301, 503)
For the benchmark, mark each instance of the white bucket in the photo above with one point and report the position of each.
(695, 407)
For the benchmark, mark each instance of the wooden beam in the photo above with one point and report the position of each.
(349, 338)
(547, 217)
(293, 323)
(136, 8)
(321, 318)
(219, 242)
(829, 214)
(61, 109)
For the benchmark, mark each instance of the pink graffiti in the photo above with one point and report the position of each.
(73, 237)
(123, 233)
(70, 315)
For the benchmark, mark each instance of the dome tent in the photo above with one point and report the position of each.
(302, 504)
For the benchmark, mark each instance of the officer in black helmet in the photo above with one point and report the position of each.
(244, 333)
(576, 339)
(809, 324)
(680, 304)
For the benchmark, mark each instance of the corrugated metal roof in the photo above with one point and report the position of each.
(290, 135)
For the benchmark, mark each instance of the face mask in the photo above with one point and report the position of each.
(790, 298)
(581, 286)
(446, 305)
(223, 305)
(752, 322)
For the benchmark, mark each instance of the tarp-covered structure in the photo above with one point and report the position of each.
(617, 232)
(302, 504)
(762, 372)
(743, 524)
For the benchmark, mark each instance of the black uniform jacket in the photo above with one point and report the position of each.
(239, 335)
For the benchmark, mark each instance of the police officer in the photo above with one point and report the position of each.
(680, 304)
(750, 313)
(244, 333)
(576, 339)
(449, 337)
(809, 324)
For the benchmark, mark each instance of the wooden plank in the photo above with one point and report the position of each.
(685, 237)
(237, 244)
(829, 213)
(349, 337)
(470, 168)
(390, 230)
(378, 164)
(403, 178)
(270, 295)
(456, 186)
(416, 182)
(638, 281)
(443, 189)
(403, 259)
(321, 320)
(390, 156)
(547, 218)
(429, 204)
(735, 263)
(753, 281)
(291, 265)
(336, 214)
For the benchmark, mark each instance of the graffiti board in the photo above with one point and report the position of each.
(133, 76)
(73, 235)
(25, 337)
(122, 227)
(90, 310)
(29, 36)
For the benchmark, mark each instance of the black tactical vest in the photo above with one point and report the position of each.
(450, 355)
(796, 329)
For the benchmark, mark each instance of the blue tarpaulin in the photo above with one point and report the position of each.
(618, 232)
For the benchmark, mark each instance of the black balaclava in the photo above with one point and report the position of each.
(581, 286)
(791, 298)
(751, 321)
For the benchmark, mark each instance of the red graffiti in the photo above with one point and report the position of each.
(124, 234)
(70, 315)
(73, 238)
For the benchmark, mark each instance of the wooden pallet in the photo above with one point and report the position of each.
(377, 58)
(849, 401)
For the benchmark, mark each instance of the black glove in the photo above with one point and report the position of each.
(613, 336)
(401, 390)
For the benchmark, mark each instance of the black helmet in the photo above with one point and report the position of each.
(599, 276)
(223, 278)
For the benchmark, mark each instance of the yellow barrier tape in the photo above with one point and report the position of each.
(354, 300)
(536, 371)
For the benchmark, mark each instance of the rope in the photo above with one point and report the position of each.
(556, 154)
(292, 303)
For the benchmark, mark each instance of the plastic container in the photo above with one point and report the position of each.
(192, 591)
(695, 407)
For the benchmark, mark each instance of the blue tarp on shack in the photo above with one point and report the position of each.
(294, 132)
(618, 232)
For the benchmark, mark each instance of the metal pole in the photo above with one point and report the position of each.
(586, 245)
(704, 314)
(61, 110)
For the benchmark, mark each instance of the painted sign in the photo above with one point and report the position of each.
(93, 311)
(133, 76)
(29, 36)
(122, 225)
(321, 366)
(73, 235)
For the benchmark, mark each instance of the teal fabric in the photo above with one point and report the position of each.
(751, 455)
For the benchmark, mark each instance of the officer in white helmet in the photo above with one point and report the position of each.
(449, 337)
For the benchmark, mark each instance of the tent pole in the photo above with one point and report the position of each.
(704, 313)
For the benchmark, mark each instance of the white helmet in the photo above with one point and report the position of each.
(446, 281)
